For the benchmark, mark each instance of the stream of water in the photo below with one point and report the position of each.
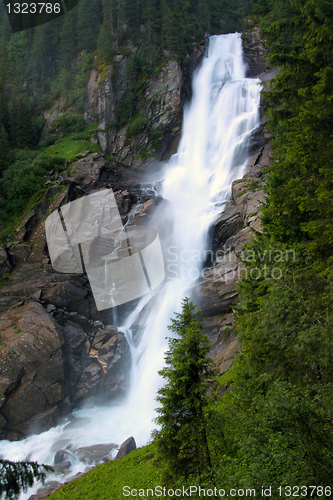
(213, 152)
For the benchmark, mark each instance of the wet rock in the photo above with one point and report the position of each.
(162, 95)
(254, 52)
(19, 253)
(228, 223)
(126, 447)
(65, 294)
(63, 467)
(40, 422)
(50, 307)
(96, 453)
(115, 360)
(44, 492)
(31, 367)
(103, 336)
(61, 456)
(160, 106)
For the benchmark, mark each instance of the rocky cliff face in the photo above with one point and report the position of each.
(57, 350)
(158, 109)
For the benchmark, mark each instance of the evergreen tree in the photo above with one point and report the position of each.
(18, 476)
(107, 43)
(4, 116)
(182, 439)
(4, 149)
(67, 41)
(20, 123)
(89, 16)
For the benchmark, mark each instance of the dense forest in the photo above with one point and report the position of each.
(273, 426)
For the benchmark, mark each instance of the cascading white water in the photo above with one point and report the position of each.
(212, 154)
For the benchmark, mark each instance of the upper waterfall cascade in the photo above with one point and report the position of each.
(213, 152)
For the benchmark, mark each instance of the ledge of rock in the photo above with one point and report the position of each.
(53, 357)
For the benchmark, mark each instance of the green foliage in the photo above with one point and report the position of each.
(300, 183)
(278, 416)
(69, 147)
(4, 149)
(155, 137)
(23, 179)
(88, 21)
(182, 439)
(69, 124)
(277, 410)
(16, 477)
(67, 41)
(20, 124)
(137, 125)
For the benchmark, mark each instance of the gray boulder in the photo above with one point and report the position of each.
(126, 447)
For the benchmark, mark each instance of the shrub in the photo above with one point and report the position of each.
(69, 124)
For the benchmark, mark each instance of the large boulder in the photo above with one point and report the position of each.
(18, 253)
(31, 367)
(53, 356)
(96, 453)
(126, 447)
(86, 170)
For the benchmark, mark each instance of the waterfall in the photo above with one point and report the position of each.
(213, 152)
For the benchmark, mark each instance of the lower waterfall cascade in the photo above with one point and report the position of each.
(213, 152)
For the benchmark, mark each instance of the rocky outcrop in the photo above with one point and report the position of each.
(31, 367)
(97, 453)
(126, 447)
(254, 52)
(52, 357)
(158, 109)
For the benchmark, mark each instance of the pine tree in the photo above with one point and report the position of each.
(67, 41)
(89, 15)
(182, 440)
(20, 122)
(4, 149)
(17, 476)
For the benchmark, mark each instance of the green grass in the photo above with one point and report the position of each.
(225, 379)
(106, 482)
(72, 145)
(24, 181)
